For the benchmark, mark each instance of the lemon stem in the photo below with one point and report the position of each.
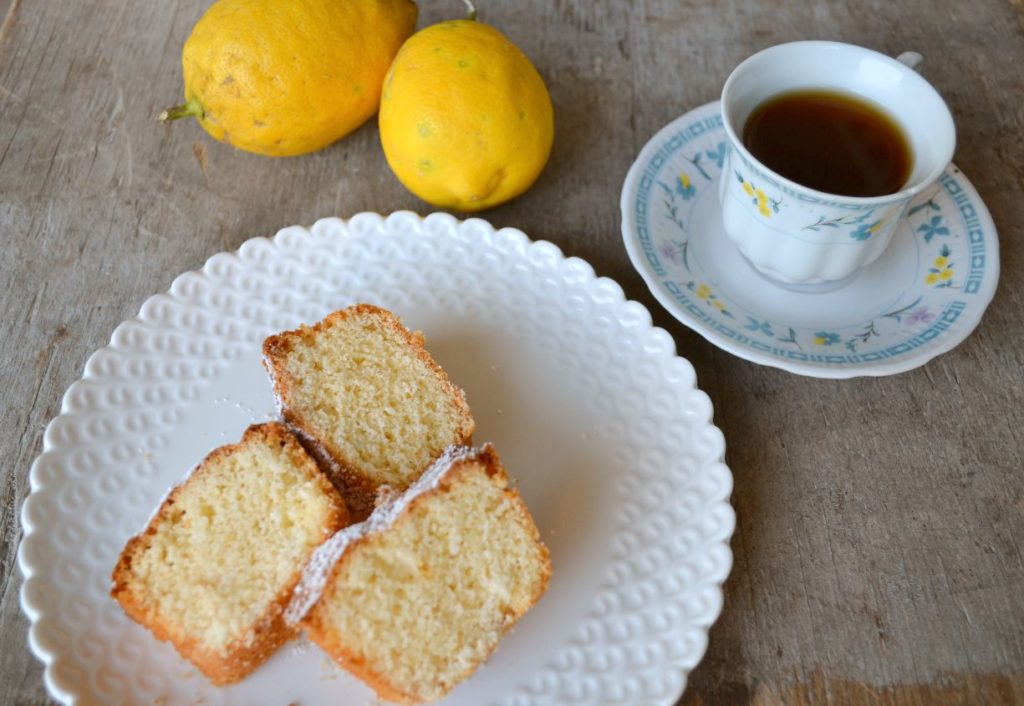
(184, 110)
(472, 10)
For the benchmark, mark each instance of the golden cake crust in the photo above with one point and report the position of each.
(333, 643)
(270, 630)
(358, 490)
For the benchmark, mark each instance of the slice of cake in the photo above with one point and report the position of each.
(215, 568)
(368, 399)
(415, 598)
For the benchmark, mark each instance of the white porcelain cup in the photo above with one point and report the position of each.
(795, 234)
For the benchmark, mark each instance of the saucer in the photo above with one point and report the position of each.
(922, 297)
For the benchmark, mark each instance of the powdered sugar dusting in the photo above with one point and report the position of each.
(314, 577)
(278, 402)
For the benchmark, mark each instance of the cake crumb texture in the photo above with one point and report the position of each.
(420, 599)
(365, 388)
(216, 566)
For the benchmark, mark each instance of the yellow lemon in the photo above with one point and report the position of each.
(284, 77)
(465, 119)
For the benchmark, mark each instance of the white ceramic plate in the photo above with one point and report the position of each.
(922, 297)
(588, 404)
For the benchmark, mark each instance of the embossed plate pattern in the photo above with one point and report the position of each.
(587, 402)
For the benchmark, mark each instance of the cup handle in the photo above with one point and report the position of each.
(911, 59)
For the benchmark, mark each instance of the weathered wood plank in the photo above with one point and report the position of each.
(881, 522)
(954, 690)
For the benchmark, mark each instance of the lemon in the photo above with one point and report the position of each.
(465, 119)
(285, 77)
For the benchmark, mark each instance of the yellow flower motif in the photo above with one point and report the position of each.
(940, 274)
(685, 187)
(765, 206)
(877, 226)
(703, 293)
(820, 340)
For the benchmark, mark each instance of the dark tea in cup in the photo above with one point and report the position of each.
(830, 141)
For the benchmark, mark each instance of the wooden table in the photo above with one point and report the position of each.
(880, 545)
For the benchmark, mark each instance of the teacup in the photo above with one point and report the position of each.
(795, 234)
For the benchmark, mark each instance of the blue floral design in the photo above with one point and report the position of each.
(932, 228)
(764, 327)
(826, 338)
(865, 230)
(718, 154)
(684, 187)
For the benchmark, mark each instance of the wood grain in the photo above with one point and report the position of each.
(881, 521)
(954, 690)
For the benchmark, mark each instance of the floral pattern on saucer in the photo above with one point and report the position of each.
(948, 266)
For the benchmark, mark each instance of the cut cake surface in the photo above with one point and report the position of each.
(215, 568)
(414, 599)
(367, 398)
